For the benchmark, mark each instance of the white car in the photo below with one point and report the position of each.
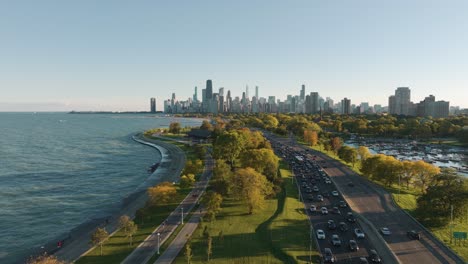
(327, 181)
(320, 234)
(313, 208)
(335, 193)
(359, 234)
(385, 231)
(324, 210)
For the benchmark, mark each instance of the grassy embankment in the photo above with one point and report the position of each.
(407, 201)
(117, 247)
(279, 233)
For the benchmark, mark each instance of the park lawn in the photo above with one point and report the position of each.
(279, 233)
(117, 247)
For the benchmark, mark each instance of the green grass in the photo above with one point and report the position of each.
(279, 233)
(406, 200)
(117, 247)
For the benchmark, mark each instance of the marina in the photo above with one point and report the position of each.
(443, 156)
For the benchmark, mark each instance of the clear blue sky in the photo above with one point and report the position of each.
(115, 55)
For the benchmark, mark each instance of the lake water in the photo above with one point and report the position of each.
(60, 170)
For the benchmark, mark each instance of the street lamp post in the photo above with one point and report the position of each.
(159, 235)
(182, 215)
(399, 186)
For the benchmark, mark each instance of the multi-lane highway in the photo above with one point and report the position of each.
(371, 204)
(327, 211)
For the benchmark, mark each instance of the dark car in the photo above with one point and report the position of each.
(331, 225)
(328, 256)
(335, 210)
(343, 226)
(353, 246)
(343, 204)
(414, 234)
(374, 257)
(350, 217)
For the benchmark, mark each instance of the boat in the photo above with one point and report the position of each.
(153, 167)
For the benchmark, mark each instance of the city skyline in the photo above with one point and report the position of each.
(63, 56)
(309, 102)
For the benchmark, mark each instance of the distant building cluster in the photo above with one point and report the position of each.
(400, 104)
(215, 102)
(221, 102)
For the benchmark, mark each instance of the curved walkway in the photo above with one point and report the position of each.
(172, 164)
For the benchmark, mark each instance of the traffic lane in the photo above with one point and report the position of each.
(379, 209)
(319, 221)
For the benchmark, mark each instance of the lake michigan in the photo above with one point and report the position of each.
(60, 170)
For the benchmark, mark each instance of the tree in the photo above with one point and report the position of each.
(222, 178)
(408, 172)
(187, 181)
(209, 248)
(175, 128)
(45, 259)
(336, 144)
(212, 201)
(206, 125)
(270, 122)
(348, 154)
(161, 193)
(130, 229)
(263, 161)
(228, 146)
(123, 222)
(311, 137)
(252, 187)
(188, 252)
(98, 237)
(449, 189)
(363, 153)
(424, 173)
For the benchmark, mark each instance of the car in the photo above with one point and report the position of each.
(327, 181)
(353, 246)
(320, 234)
(315, 189)
(358, 232)
(342, 226)
(320, 198)
(414, 234)
(324, 210)
(308, 190)
(331, 225)
(350, 217)
(335, 210)
(350, 184)
(310, 197)
(363, 260)
(335, 193)
(374, 257)
(335, 240)
(325, 194)
(385, 231)
(328, 256)
(313, 208)
(343, 204)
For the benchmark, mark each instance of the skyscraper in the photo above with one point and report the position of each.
(402, 100)
(346, 106)
(391, 105)
(314, 100)
(256, 92)
(153, 105)
(247, 91)
(209, 90)
(303, 92)
(195, 95)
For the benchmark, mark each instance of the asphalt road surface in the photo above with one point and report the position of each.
(143, 253)
(375, 204)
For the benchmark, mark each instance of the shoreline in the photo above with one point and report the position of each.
(76, 241)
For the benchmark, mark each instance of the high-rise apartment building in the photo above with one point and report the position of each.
(209, 89)
(303, 92)
(346, 106)
(153, 105)
(314, 100)
(402, 101)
